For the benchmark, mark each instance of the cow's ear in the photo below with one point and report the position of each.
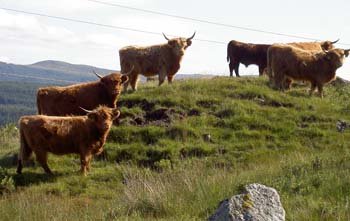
(125, 78)
(92, 116)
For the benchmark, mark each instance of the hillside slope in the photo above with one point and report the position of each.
(56, 72)
(178, 150)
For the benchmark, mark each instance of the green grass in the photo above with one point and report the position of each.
(161, 166)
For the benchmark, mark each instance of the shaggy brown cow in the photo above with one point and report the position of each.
(315, 46)
(83, 135)
(247, 53)
(287, 63)
(62, 101)
(162, 60)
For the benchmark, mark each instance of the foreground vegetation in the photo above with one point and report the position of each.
(178, 150)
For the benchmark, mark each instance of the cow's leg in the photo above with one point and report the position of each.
(320, 89)
(19, 166)
(261, 70)
(237, 70)
(313, 87)
(85, 159)
(88, 158)
(231, 67)
(161, 77)
(170, 79)
(287, 83)
(133, 81)
(41, 157)
(279, 80)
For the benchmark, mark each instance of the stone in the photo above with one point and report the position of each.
(256, 203)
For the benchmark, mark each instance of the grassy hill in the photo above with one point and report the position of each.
(178, 150)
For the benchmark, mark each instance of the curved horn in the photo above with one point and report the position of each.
(190, 38)
(131, 69)
(87, 111)
(165, 36)
(333, 42)
(99, 76)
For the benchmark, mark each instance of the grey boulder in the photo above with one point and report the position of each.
(256, 203)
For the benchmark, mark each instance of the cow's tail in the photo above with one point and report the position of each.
(228, 51)
(24, 151)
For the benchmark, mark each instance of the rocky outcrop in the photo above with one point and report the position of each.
(256, 203)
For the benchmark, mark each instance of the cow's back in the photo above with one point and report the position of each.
(146, 60)
(63, 101)
(248, 53)
(310, 46)
(63, 133)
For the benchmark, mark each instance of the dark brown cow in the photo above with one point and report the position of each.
(83, 135)
(162, 60)
(62, 101)
(247, 53)
(287, 63)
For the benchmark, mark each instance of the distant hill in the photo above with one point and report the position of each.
(58, 72)
(48, 72)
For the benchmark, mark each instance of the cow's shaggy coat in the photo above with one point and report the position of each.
(63, 101)
(83, 135)
(162, 60)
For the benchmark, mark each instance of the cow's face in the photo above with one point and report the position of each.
(336, 56)
(103, 116)
(327, 45)
(179, 45)
(114, 83)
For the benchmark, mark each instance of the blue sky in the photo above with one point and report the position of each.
(27, 39)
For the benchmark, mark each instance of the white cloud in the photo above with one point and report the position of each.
(4, 59)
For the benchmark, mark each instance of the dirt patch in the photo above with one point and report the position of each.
(165, 115)
(273, 103)
(207, 103)
(144, 104)
(194, 112)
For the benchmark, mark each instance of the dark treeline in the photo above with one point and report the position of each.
(17, 99)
